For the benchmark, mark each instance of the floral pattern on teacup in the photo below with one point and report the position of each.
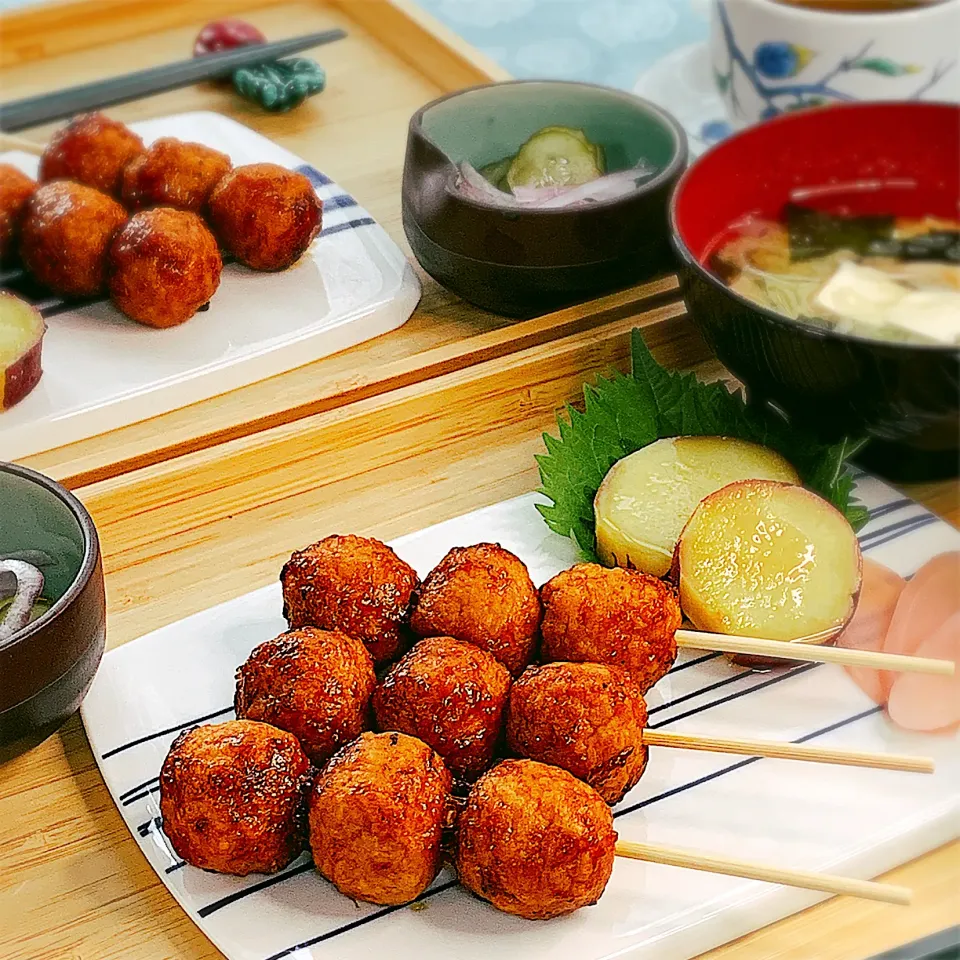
(774, 72)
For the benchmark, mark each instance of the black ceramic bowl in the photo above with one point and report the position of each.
(527, 262)
(884, 158)
(47, 667)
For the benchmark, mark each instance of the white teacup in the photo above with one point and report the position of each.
(771, 57)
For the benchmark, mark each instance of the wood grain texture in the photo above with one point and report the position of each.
(434, 343)
(44, 30)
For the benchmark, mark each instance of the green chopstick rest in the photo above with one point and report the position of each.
(282, 85)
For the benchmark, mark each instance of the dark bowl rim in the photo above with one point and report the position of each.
(91, 550)
(662, 178)
(776, 319)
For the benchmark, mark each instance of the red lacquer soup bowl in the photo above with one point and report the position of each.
(871, 158)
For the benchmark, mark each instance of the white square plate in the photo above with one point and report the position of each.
(814, 817)
(103, 371)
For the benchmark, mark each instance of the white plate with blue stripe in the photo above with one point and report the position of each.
(813, 817)
(103, 371)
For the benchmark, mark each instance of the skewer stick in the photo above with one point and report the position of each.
(828, 883)
(9, 141)
(783, 650)
(790, 751)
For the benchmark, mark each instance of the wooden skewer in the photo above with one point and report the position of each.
(828, 883)
(9, 141)
(790, 751)
(783, 650)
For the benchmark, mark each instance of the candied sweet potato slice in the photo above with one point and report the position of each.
(21, 341)
(647, 497)
(761, 558)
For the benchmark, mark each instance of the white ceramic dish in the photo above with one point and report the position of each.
(103, 371)
(837, 819)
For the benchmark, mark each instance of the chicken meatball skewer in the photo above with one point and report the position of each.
(619, 616)
(591, 720)
(378, 812)
(536, 842)
(452, 695)
(482, 594)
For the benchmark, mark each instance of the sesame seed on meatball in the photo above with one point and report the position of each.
(482, 594)
(451, 695)
(316, 684)
(233, 797)
(535, 841)
(585, 717)
(354, 584)
(611, 615)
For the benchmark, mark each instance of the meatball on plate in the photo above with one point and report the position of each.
(66, 234)
(233, 797)
(265, 215)
(377, 816)
(164, 265)
(354, 584)
(451, 695)
(91, 149)
(482, 594)
(314, 683)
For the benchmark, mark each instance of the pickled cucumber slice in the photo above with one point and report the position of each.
(496, 172)
(556, 157)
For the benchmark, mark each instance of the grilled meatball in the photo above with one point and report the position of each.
(164, 265)
(16, 189)
(66, 234)
(482, 594)
(233, 797)
(316, 684)
(172, 173)
(265, 215)
(354, 584)
(535, 841)
(377, 814)
(585, 717)
(91, 149)
(451, 695)
(611, 615)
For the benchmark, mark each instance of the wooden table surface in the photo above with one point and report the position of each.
(436, 419)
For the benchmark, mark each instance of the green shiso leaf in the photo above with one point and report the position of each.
(622, 413)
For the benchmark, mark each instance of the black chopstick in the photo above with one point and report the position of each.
(33, 111)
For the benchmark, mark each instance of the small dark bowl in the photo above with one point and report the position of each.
(903, 395)
(47, 667)
(528, 262)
